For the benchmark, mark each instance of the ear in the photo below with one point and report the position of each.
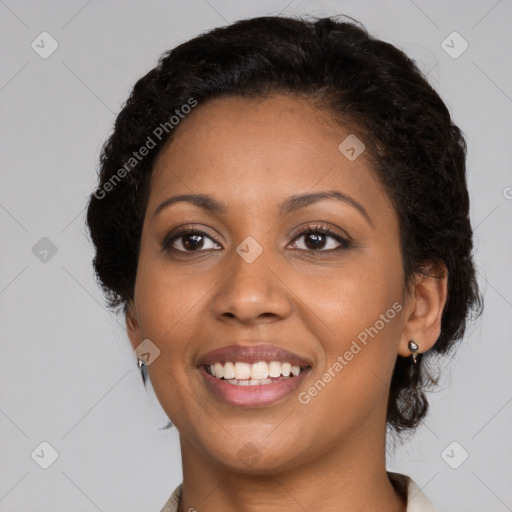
(426, 301)
(133, 325)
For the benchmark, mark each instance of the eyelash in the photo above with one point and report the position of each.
(322, 230)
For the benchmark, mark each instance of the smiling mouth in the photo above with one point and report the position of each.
(258, 384)
(255, 374)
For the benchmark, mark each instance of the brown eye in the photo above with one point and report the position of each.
(317, 239)
(191, 240)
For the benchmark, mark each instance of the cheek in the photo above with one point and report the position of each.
(357, 323)
(166, 297)
(352, 380)
(350, 297)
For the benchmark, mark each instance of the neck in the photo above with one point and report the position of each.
(349, 476)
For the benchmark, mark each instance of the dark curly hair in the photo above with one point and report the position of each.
(417, 151)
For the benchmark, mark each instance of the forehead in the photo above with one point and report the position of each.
(262, 151)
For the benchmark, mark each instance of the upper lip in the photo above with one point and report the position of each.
(252, 354)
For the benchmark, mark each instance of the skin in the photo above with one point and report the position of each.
(329, 454)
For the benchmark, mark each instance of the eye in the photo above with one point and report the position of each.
(191, 240)
(196, 240)
(316, 239)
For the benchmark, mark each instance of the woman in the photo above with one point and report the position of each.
(282, 212)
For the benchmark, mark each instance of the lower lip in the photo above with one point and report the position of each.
(251, 396)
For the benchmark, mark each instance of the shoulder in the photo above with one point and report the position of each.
(171, 505)
(416, 499)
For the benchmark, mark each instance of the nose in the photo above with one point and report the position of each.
(252, 292)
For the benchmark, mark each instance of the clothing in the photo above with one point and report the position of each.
(416, 500)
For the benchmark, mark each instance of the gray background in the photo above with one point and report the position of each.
(68, 375)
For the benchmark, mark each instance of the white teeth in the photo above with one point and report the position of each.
(257, 372)
(285, 369)
(295, 370)
(274, 369)
(229, 371)
(251, 382)
(242, 370)
(219, 370)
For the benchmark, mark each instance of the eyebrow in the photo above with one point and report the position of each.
(293, 203)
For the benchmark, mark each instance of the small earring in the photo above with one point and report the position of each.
(413, 347)
(143, 369)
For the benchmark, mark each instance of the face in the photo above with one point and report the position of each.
(252, 271)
